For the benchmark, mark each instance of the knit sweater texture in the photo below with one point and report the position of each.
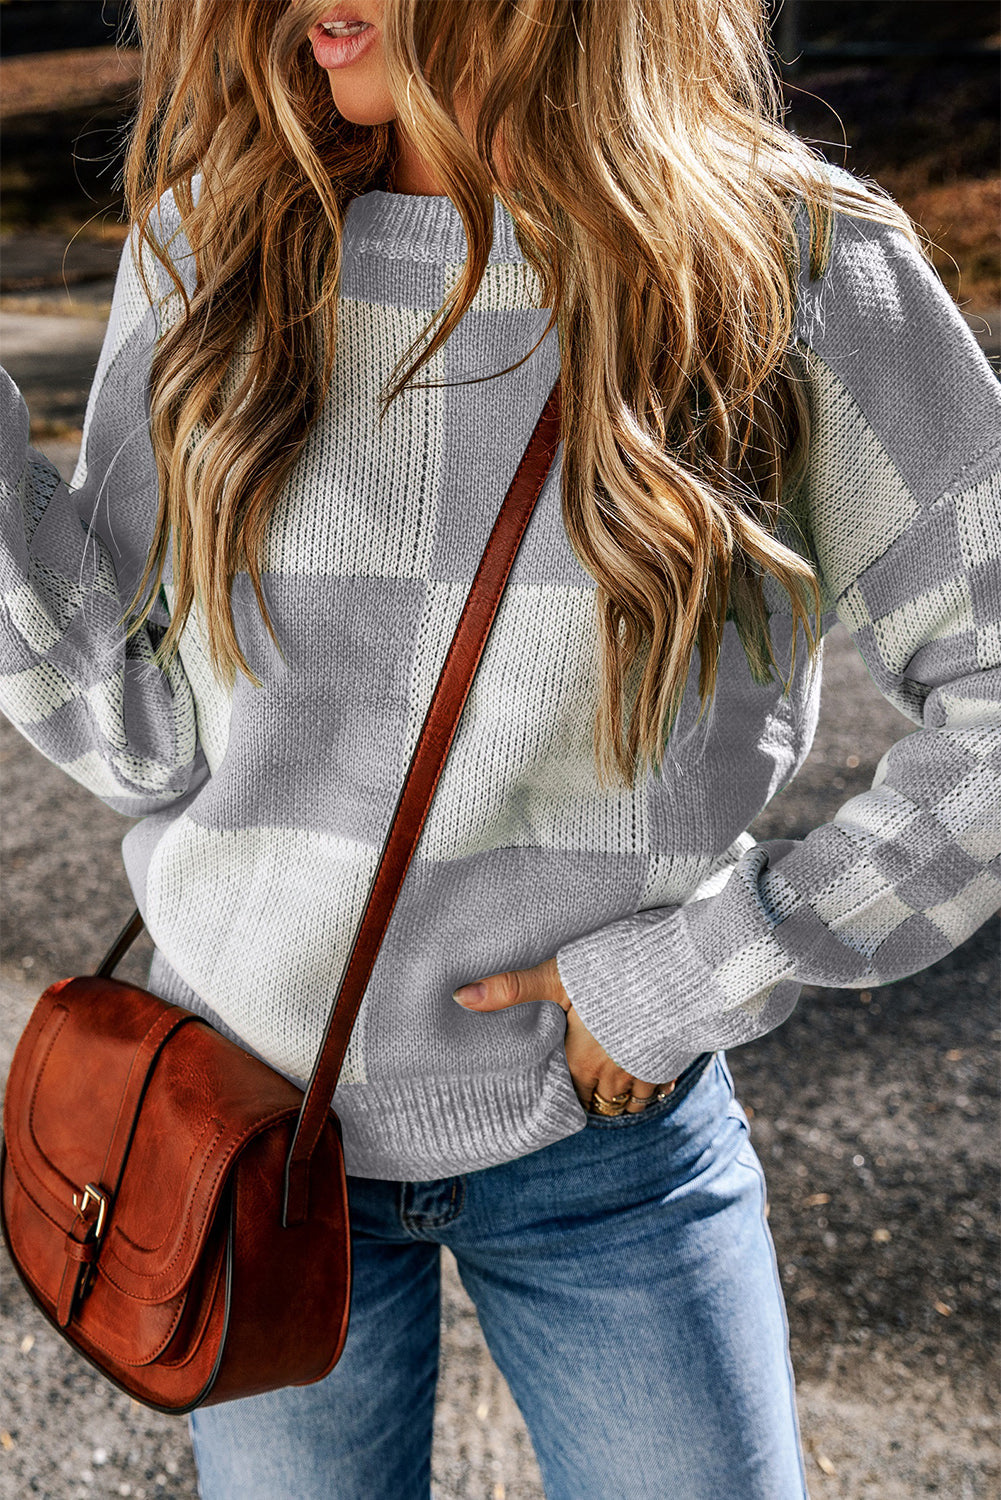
(263, 810)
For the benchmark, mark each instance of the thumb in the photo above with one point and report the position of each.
(516, 987)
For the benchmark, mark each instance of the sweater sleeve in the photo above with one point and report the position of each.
(903, 506)
(71, 557)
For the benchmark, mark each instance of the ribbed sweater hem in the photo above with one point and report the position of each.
(458, 1125)
(424, 1128)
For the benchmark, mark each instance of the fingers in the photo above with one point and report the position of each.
(593, 1072)
(614, 1087)
(632, 1098)
(642, 1093)
(607, 1082)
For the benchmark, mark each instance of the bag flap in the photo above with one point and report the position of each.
(204, 1098)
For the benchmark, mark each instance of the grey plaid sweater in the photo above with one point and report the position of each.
(263, 810)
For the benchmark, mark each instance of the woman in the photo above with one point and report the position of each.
(231, 622)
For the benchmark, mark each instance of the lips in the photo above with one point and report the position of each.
(342, 14)
(335, 49)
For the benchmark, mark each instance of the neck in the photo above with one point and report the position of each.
(411, 175)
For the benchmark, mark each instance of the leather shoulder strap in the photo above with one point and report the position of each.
(419, 785)
(411, 811)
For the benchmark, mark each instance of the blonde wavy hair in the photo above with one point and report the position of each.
(655, 199)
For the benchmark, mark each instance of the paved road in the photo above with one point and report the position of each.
(875, 1116)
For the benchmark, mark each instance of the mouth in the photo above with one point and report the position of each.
(340, 37)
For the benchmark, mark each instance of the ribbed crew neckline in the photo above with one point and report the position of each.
(412, 226)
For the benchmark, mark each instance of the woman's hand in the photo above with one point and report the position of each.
(591, 1068)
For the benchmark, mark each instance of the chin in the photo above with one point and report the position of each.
(360, 111)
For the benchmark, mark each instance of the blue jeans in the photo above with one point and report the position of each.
(626, 1283)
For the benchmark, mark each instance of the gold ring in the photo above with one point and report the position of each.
(618, 1104)
(600, 1106)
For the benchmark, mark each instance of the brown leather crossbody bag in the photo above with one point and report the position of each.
(176, 1208)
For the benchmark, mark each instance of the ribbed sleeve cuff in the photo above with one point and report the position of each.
(642, 994)
(660, 987)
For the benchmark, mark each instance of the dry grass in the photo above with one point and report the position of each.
(963, 221)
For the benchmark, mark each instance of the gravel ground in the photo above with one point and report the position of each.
(874, 1114)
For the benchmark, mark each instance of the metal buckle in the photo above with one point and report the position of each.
(92, 1194)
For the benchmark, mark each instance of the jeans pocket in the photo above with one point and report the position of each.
(687, 1080)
